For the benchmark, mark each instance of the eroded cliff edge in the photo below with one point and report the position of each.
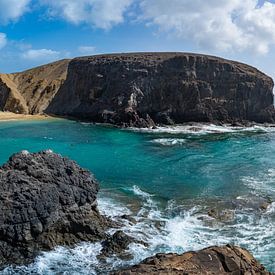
(145, 89)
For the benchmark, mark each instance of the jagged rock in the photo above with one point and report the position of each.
(116, 244)
(143, 89)
(213, 260)
(45, 200)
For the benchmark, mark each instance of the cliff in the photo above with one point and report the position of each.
(144, 89)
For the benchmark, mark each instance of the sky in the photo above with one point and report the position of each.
(35, 32)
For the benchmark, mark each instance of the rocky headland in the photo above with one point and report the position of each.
(47, 200)
(143, 90)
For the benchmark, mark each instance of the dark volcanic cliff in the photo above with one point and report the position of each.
(143, 89)
(140, 89)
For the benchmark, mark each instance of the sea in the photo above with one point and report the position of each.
(169, 179)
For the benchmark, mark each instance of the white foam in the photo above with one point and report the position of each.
(190, 229)
(201, 129)
(79, 260)
(111, 208)
(169, 141)
(262, 184)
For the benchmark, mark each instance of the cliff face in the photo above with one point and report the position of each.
(30, 92)
(145, 89)
(140, 89)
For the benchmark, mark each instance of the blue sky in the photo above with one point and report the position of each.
(34, 32)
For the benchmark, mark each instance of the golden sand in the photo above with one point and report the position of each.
(6, 116)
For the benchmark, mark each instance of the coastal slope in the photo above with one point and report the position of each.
(143, 90)
(31, 91)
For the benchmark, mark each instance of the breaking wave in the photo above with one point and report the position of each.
(164, 230)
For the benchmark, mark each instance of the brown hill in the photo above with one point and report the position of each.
(31, 91)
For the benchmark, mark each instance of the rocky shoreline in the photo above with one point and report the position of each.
(47, 200)
(143, 90)
(213, 260)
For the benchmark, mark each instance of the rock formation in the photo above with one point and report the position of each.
(30, 92)
(45, 201)
(143, 89)
(214, 260)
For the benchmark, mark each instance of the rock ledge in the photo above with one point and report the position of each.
(213, 260)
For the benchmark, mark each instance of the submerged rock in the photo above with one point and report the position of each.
(213, 260)
(116, 244)
(225, 215)
(45, 200)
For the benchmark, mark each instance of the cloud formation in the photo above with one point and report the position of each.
(102, 14)
(86, 50)
(3, 40)
(41, 55)
(11, 10)
(215, 24)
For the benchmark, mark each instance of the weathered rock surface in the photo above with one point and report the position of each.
(45, 201)
(143, 89)
(147, 88)
(116, 244)
(31, 91)
(214, 260)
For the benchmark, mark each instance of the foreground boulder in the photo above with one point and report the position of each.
(214, 260)
(45, 201)
(143, 89)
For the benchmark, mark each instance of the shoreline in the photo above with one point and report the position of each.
(9, 116)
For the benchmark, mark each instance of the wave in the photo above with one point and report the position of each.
(203, 128)
(263, 183)
(169, 141)
(164, 229)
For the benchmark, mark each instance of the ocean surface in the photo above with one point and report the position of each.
(168, 179)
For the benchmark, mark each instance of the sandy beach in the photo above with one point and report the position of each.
(6, 116)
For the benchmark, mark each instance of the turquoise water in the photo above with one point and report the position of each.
(168, 179)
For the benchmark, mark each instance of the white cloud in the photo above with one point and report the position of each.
(3, 40)
(215, 24)
(98, 13)
(41, 55)
(87, 50)
(12, 9)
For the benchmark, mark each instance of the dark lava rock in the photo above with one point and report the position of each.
(213, 260)
(116, 244)
(145, 89)
(45, 201)
(225, 215)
